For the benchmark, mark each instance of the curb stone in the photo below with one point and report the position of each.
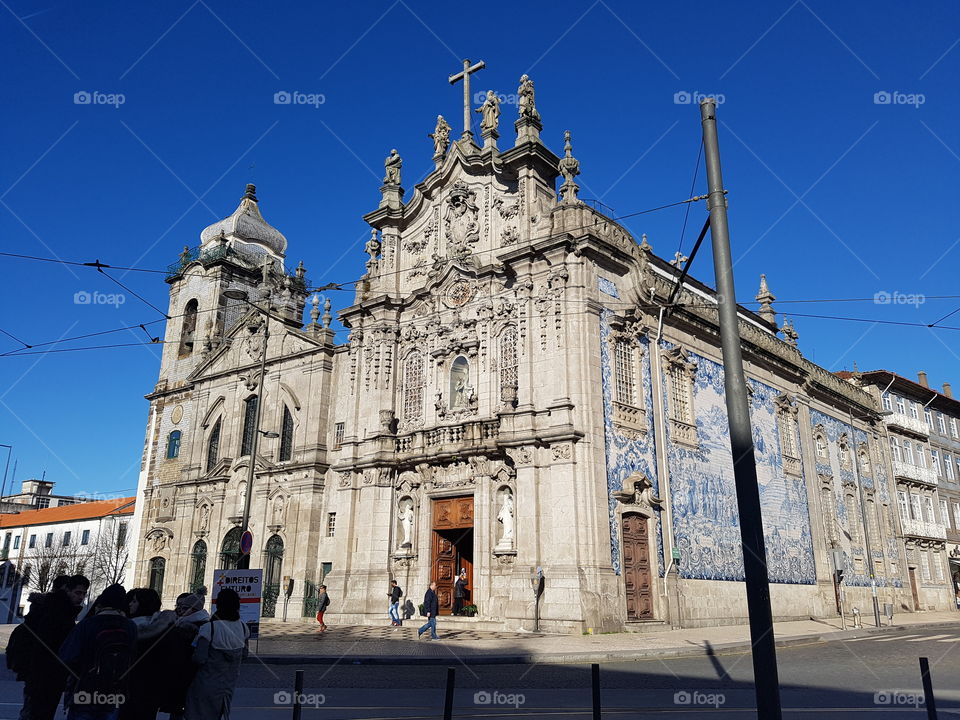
(593, 656)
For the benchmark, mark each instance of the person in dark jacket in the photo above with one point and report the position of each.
(49, 622)
(145, 689)
(430, 609)
(177, 651)
(459, 592)
(99, 652)
(395, 594)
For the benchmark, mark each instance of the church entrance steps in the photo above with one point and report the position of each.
(646, 626)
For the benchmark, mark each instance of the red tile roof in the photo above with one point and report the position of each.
(66, 513)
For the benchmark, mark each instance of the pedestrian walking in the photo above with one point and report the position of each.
(99, 652)
(459, 591)
(221, 645)
(395, 594)
(430, 609)
(323, 602)
(34, 646)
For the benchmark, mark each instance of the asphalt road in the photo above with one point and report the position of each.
(876, 676)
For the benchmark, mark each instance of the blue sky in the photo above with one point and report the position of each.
(835, 191)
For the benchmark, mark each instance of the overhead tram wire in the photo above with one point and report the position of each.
(14, 337)
(329, 286)
(686, 213)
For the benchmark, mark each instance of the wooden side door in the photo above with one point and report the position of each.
(636, 568)
(444, 570)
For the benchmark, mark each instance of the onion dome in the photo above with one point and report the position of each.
(247, 225)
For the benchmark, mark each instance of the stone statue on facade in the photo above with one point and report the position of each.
(441, 138)
(506, 518)
(204, 516)
(373, 246)
(393, 163)
(406, 523)
(527, 103)
(462, 228)
(489, 112)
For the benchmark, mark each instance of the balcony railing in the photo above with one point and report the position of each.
(914, 472)
(908, 423)
(450, 437)
(921, 528)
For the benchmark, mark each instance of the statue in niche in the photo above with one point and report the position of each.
(460, 389)
(406, 522)
(204, 516)
(489, 112)
(278, 507)
(528, 106)
(159, 542)
(393, 163)
(439, 405)
(506, 518)
(441, 138)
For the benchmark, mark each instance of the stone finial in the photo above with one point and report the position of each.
(569, 167)
(789, 332)
(314, 309)
(766, 298)
(327, 315)
(301, 270)
(644, 245)
(251, 192)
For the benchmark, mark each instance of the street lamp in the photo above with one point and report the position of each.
(243, 561)
(863, 512)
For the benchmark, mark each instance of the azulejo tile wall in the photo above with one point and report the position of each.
(844, 481)
(705, 515)
(626, 455)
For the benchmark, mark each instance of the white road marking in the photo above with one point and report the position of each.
(929, 637)
(896, 637)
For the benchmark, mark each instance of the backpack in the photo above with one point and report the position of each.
(20, 647)
(112, 656)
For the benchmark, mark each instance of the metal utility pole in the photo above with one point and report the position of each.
(765, 675)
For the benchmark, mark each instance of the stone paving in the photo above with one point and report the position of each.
(383, 643)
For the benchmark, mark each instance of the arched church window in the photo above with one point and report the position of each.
(508, 363)
(213, 445)
(821, 446)
(679, 393)
(230, 550)
(249, 423)
(188, 329)
(286, 435)
(413, 384)
(198, 561)
(460, 382)
(173, 445)
(787, 429)
(158, 567)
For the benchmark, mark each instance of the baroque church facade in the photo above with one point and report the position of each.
(514, 396)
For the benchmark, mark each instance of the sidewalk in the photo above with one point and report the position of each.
(298, 644)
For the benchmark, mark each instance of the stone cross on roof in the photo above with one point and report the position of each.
(464, 75)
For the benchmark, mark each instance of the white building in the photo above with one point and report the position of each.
(84, 538)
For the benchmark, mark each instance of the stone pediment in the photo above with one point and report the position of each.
(241, 351)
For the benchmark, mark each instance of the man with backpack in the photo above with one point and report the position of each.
(34, 646)
(395, 594)
(99, 653)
